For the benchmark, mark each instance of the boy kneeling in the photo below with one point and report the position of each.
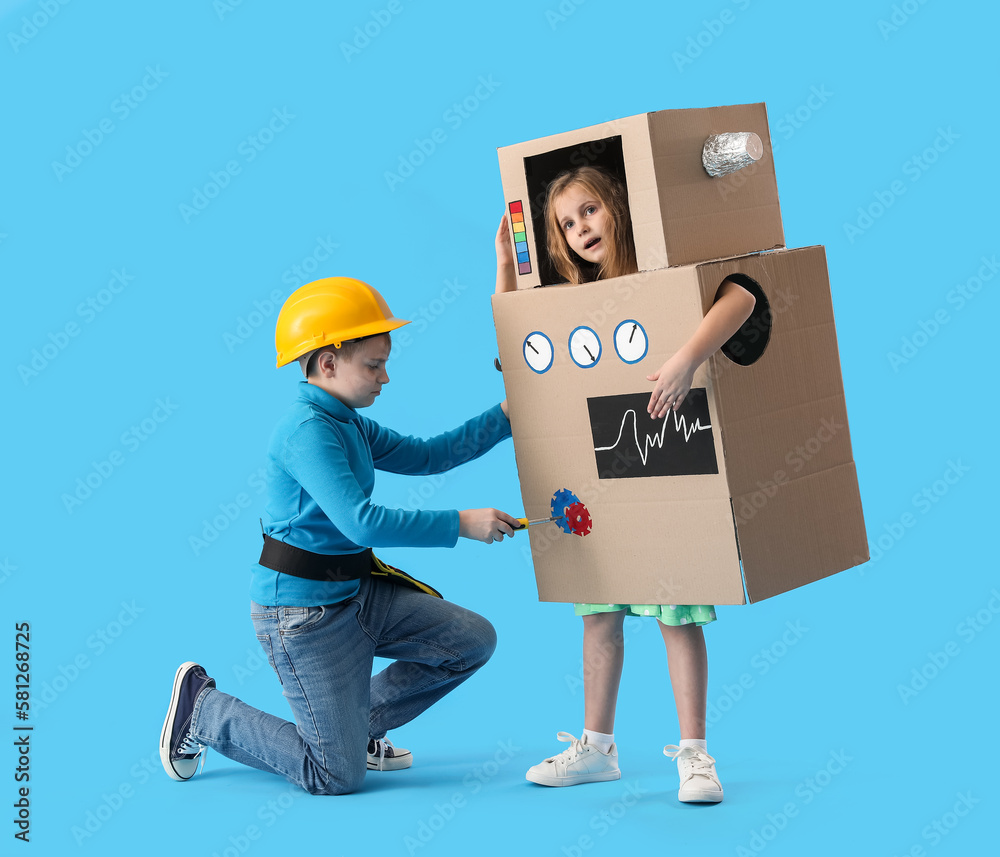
(323, 606)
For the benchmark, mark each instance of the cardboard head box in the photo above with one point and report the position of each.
(680, 214)
(755, 466)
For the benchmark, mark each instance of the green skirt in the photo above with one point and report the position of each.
(668, 614)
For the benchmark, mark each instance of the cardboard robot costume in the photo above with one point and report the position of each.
(751, 485)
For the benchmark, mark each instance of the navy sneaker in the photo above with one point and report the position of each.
(178, 752)
(382, 756)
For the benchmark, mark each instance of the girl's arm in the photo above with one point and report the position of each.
(506, 279)
(733, 305)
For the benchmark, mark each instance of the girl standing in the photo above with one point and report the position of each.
(589, 237)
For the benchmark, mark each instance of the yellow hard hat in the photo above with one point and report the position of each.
(330, 312)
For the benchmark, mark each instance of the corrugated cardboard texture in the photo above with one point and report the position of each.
(654, 540)
(784, 426)
(705, 217)
(786, 487)
(634, 133)
(680, 214)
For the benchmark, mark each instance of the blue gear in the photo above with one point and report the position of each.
(560, 500)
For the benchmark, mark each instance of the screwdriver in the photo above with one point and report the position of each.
(524, 522)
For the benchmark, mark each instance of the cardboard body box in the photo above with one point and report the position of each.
(756, 466)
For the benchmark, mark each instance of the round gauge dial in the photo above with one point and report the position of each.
(537, 350)
(631, 341)
(584, 347)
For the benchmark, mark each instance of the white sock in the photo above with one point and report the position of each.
(694, 742)
(599, 740)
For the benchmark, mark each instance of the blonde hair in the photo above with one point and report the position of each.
(619, 259)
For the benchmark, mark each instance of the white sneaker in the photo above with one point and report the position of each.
(699, 782)
(382, 756)
(579, 763)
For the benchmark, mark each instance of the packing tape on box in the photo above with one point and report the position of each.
(727, 153)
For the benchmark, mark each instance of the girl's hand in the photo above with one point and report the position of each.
(486, 525)
(673, 381)
(505, 252)
(506, 281)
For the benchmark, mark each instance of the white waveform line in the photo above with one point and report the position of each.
(680, 425)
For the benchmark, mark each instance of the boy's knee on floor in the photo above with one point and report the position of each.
(486, 637)
(338, 786)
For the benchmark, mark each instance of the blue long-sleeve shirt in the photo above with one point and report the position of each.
(320, 474)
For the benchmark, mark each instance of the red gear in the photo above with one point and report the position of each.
(579, 520)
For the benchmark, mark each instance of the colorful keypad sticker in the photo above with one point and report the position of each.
(520, 238)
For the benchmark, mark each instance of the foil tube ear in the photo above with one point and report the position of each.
(730, 152)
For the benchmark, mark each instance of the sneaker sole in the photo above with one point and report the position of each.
(699, 796)
(167, 730)
(390, 764)
(575, 780)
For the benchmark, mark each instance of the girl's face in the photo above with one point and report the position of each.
(584, 223)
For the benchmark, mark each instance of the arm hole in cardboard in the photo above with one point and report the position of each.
(748, 344)
(539, 172)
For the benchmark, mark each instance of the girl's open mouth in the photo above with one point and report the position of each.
(591, 243)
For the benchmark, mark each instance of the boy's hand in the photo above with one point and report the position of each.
(485, 525)
(673, 381)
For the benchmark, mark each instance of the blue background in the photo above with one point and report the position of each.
(172, 386)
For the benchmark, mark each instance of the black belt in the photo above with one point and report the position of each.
(298, 562)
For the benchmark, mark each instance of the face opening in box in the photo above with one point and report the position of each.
(592, 170)
(748, 344)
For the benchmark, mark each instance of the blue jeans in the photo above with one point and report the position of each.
(323, 658)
